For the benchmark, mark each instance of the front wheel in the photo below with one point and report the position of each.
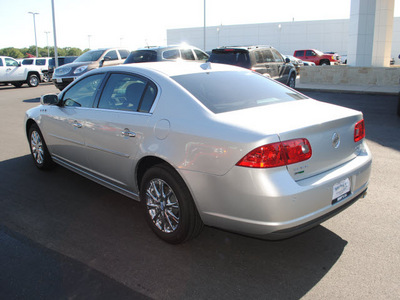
(40, 154)
(168, 206)
(33, 80)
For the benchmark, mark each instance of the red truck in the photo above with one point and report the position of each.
(317, 57)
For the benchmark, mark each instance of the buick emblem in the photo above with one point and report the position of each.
(335, 140)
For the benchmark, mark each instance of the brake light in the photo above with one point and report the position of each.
(277, 154)
(359, 131)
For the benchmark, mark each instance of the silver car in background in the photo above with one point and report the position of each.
(206, 144)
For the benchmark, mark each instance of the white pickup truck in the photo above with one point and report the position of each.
(13, 72)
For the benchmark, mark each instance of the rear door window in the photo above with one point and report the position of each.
(299, 53)
(123, 53)
(187, 54)
(112, 55)
(200, 55)
(27, 62)
(40, 62)
(171, 54)
(277, 56)
(128, 92)
(268, 56)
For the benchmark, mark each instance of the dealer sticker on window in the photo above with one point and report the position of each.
(341, 190)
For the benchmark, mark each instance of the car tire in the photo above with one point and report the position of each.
(398, 106)
(46, 77)
(33, 80)
(325, 63)
(292, 81)
(168, 205)
(40, 154)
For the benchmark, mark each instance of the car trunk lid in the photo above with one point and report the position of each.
(328, 128)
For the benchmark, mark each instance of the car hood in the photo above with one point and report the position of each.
(74, 65)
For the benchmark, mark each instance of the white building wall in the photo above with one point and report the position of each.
(328, 35)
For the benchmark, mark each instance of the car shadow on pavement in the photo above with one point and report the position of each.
(92, 229)
(33, 100)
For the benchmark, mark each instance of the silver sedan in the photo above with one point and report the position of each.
(205, 144)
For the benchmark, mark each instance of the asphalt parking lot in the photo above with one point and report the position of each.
(65, 237)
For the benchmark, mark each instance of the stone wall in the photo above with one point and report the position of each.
(350, 75)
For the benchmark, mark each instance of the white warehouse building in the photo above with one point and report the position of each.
(286, 37)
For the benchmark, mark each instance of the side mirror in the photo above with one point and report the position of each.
(106, 58)
(49, 99)
(287, 60)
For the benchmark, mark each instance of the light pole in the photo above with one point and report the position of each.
(204, 25)
(47, 39)
(89, 36)
(55, 36)
(34, 27)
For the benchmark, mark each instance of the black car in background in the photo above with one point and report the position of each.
(162, 53)
(265, 60)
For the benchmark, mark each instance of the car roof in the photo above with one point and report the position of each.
(184, 46)
(171, 68)
(244, 47)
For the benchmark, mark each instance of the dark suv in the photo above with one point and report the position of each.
(180, 52)
(262, 59)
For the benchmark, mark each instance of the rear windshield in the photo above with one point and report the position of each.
(139, 56)
(234, 90)
(231, 57)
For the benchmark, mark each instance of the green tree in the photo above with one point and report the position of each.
(11, 52)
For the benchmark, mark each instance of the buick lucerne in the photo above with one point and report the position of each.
(206, 144)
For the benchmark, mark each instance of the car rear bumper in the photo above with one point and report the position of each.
(269, 203)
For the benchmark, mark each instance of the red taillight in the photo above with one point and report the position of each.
(277, 154)
(359, 131)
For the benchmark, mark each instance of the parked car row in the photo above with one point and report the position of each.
(263, 59)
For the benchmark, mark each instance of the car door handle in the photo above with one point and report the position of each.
(77, 125)
(128, 133)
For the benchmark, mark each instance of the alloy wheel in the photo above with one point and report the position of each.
(162, 205)
(37, 147)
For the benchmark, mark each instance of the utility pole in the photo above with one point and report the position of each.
(47, 39)
(55, 37)
(204, 26)
(34, 28)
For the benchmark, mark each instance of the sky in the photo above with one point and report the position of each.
(133, 23)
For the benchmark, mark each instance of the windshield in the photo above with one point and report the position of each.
(141, 56)
(90, 56)
(233, 90)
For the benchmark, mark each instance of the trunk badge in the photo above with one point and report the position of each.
(335, 140)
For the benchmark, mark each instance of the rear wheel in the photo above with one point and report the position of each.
(292, 81)
(168, 206)
(40, 154)
(33, 80)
